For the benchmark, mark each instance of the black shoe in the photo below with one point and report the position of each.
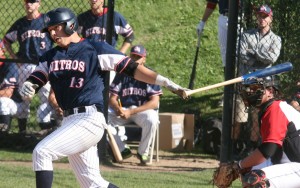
(126, 153)
(144, 159)
(110, 185)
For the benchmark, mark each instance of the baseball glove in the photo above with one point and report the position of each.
(225, 174)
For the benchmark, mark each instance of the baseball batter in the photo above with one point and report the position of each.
(32, 44)
(140, 103)
(75, 69)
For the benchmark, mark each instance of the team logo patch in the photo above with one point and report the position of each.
(137, 49)
(263, 8)
(46, 19)
(12, 80)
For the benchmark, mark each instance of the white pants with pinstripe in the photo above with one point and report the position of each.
(283, 175)
(147, 120)
(76, 139)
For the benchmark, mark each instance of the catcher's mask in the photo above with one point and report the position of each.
(61, 15)
(253, 89)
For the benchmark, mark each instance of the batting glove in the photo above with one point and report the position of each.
(200, 27)
(163, 81)
(28, 90)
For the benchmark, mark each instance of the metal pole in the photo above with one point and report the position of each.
(226, 141)
(109, 32)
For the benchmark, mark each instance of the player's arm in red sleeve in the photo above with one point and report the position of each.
(210, 7)
(273, 129)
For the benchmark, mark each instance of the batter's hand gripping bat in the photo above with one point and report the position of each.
(193, 74)
(277, 69)
(114, 146)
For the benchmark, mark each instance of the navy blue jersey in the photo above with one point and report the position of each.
(94, 26)
(9, 78)
(8, 75)
(133, 92)
(223, 5)
(32, 43)
(75, 73)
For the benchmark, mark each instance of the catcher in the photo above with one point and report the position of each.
(279, 129)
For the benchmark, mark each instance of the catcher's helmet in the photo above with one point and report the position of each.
(252, 89)
(61, 15)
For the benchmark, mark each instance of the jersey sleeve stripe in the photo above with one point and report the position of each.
(109, 62)
(120, 69)
(39, 77)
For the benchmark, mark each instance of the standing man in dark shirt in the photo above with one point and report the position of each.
(92, 25)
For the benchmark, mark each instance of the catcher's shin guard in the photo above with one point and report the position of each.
(255, 179)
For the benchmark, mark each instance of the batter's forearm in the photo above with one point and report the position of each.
(145, 75)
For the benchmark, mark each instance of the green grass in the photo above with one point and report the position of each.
(17, 175)
(20, 176)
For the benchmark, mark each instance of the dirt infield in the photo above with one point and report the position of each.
(168, 162)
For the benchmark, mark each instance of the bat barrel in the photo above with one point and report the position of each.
(277, 69)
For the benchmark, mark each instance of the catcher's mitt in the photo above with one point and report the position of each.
(225, 174)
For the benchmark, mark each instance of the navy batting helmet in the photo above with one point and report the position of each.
(61, 15)
(252, 89)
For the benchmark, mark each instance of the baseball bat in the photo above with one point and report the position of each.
(193, 74)
(277, 69)
(114, 146)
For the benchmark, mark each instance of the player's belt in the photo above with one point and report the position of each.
(81, 109)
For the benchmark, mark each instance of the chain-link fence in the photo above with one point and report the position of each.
(284, 24)
(267, 36)
(21, 22)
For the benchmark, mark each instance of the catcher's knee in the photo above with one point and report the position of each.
(255, 179)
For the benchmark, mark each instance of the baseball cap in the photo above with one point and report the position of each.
(265, 9)
(31, 1)
(138, 50)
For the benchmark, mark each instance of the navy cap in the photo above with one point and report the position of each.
(265, 9)
(138, 50)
